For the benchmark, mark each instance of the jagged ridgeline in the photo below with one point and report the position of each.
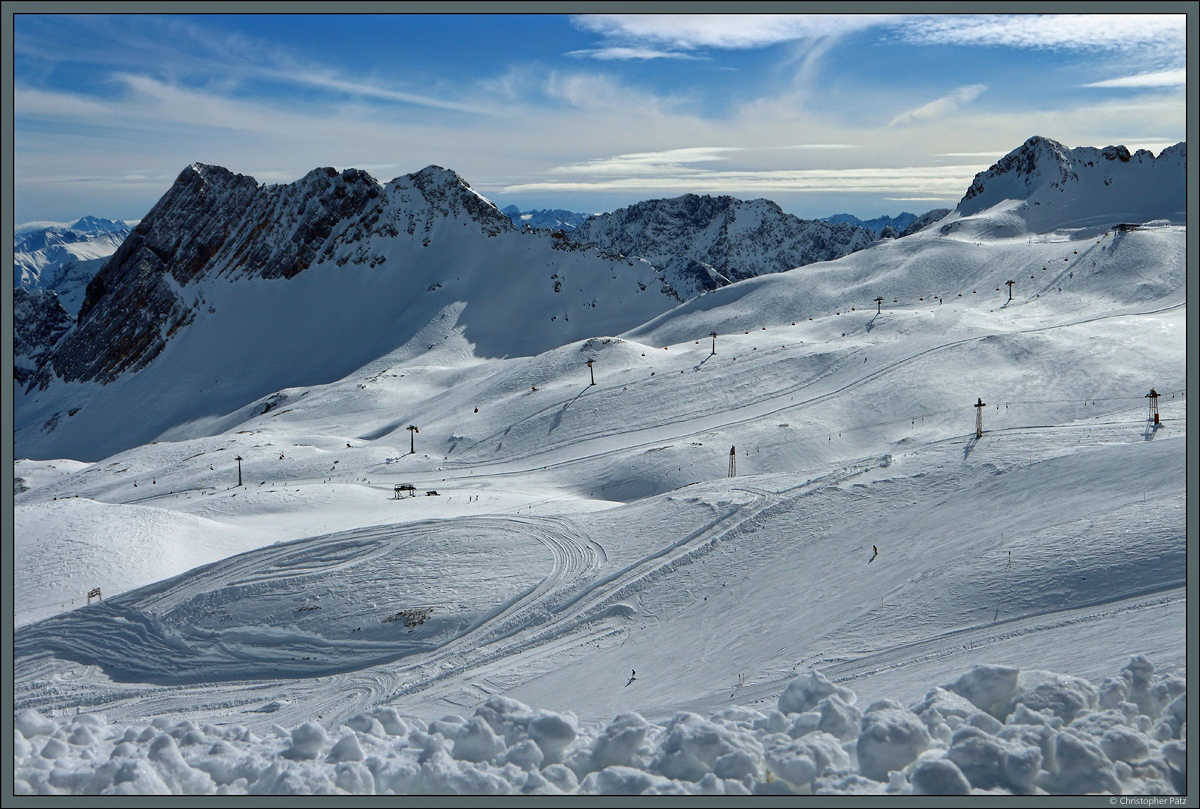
(213, 224)
(703, 243)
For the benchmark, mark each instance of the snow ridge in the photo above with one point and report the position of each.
(1063, 187)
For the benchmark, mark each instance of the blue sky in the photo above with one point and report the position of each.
(865, 114)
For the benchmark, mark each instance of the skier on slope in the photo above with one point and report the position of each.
(874, 554)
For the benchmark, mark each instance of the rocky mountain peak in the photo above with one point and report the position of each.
(1062, 186)
(1035, 159)
(701, 242)
(446, 194)
(210, 222)
(94, 225)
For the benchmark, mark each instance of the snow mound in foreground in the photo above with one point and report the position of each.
(994, 730)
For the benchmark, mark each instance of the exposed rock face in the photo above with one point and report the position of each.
(702, 242)
(1088, 185)
(923, 221)
(39, 320)
(215, 223)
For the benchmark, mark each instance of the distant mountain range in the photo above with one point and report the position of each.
(551, 218)
(40, 255)
(51, 268)
(893, 224)
(567, 221)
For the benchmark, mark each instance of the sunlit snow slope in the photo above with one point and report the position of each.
(805, 491)
(853, 429)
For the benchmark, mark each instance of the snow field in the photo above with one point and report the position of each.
(768, 575)
(66, 549)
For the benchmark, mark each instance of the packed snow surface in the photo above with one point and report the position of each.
(875, 601)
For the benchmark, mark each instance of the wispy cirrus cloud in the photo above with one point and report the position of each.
(681, 33)
(177, 50)
(940, 107)
(625, 52)
(667, 162)
(110, 103)
(596, 92)
(927, 182)
(1159, 78)
(1070, 31)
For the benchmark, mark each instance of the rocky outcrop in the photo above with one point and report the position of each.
(39, 321)
(702, 242)
(1087, 185)
(923, 221)
(215, 223)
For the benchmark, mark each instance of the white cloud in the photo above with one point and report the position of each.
(670, 161)
(940, 107)
(820, 146)
(25, 227)
(734, 31)
(600, 93)
(619, 52)
(1160, 78)
(971, 154)
(1074, 31)
(310, 78)
(929, 182)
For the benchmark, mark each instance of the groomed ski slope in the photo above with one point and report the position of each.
(582, 532)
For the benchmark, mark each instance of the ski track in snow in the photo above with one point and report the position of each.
(568, 608)
(132, 634)
(690, 425)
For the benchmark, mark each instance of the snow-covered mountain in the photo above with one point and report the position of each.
(58, 257)
(550, 218)
(51, 269)
(1048, 186)
(779, 560)
(303, 283)
(701, 243)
